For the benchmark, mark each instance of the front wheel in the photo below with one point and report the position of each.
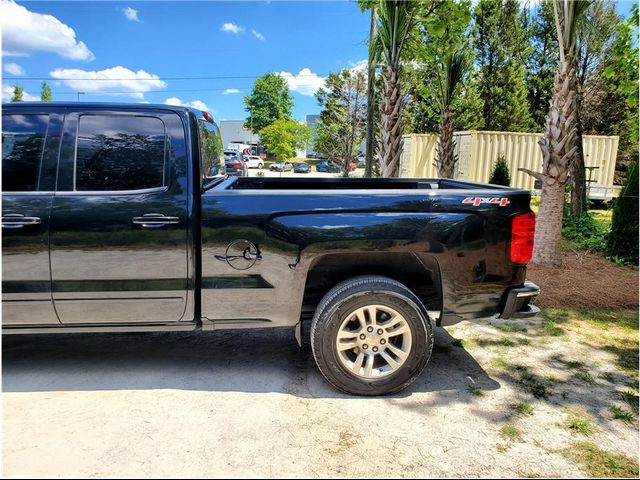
(371, 335)
(260, 165)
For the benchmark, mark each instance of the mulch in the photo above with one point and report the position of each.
(586, 280)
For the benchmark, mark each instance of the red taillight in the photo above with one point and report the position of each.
(523, 227)
(236, 164)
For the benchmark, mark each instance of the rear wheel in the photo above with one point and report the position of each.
(260, 165)
(371, 335)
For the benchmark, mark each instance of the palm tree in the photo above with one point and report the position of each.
(559, 144)
(450, 75)
(396, 20)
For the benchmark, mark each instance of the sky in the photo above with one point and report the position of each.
(154, 51)
(148, 47)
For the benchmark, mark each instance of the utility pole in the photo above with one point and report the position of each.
(80, 93)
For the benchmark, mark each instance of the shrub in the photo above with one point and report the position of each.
(500, 174)
(623, 241)
(585, 232)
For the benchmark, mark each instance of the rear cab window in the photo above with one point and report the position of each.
(23, 140)
(119, 153)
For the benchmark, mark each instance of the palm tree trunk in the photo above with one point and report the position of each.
(578, 176)
(559, 145)
(390, 124)
(446, 159)
(371, 99)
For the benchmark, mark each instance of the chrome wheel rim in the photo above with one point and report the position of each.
(373, 341)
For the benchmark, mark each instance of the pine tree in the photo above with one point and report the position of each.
(18, 93)
(500, 175)
(45, 92)
(500, 44)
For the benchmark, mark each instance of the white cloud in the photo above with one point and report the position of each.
(258, 35)
(118, 79)
(360, 65)
(305, 82)
(14, 69)
(7, 93)
(231, 28)
(197, 104)
(131, 14)
(230, 91)
(25, 32)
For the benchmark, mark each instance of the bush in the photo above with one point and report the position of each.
(623, 241)
(585, 232)
(500, 174)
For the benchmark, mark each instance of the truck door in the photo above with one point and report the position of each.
(119, 219)
(30, 140)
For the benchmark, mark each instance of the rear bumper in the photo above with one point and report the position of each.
(518, 301)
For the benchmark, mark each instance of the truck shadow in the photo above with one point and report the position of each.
(257, 361)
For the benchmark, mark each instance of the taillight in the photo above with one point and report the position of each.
(523, 228)
(236, 164)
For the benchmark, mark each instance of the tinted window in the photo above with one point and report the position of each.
(210, 146)
(22, 146)
(119, 152)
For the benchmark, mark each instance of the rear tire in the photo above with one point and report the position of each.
(371, 335)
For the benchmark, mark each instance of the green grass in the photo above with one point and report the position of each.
(460, 342)
(478, 392)
(551, 328)
(528, 379)
(511, 328)
(605, 319)
(586, 377)
(621, 414)
(492, 342)
(579, 423)
(599, 463)
(511, 432)
(631, 398)
(501, 447)
(607, 376)
(523, 408)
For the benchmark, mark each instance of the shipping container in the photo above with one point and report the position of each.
(478, 151)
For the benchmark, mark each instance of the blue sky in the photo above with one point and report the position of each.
(147, 46)
(181, 39)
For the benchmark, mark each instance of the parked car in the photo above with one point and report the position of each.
(301, 167)
(216, 170)
(327, 167)
(281, 167)
(234, 163)
(138, 238)
(253, 161)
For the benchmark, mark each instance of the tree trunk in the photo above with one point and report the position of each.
(578, 176)
(371, 100)
(559, 146)
(549, 225)
(390, 124)
(446, 159)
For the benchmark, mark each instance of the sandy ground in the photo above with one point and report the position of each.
(247, 403)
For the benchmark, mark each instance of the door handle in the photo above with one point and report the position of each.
(17, 220)
(155, 220)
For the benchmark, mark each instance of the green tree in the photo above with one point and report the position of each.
(45, 92)
(623, 239)
(501, 46)
(500, 175)
(270, 100)
(18, 93)
(341, 128)
(542, 60)
(284, 136)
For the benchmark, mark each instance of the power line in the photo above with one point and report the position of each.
(159, 78)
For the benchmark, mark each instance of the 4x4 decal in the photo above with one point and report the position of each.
(477, 201)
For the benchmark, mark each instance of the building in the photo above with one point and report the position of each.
(311, 121)
(233, 131)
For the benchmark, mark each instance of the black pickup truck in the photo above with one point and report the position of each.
(111, 223)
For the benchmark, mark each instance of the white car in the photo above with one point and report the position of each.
(253, 161)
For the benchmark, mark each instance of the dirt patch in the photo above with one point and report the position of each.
(586, 280)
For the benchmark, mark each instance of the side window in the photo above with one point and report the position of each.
(210, 146)
(119, 152)
(23, 139)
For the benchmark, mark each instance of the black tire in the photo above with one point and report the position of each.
(339, 303)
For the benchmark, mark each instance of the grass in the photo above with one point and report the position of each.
(460, 342)
(621, 414)
(599, 463)
(578, 422)
(551, 328)
(492, 342)
(631, 398)
(528, 379)
(478, 392)
(511, 432)
(523, 408)
(586, 377)
(511, 328)
(607, 376)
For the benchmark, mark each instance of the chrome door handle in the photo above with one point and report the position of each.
(155, 220)
(17, 220)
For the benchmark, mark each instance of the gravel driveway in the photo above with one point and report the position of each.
(247, 403)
